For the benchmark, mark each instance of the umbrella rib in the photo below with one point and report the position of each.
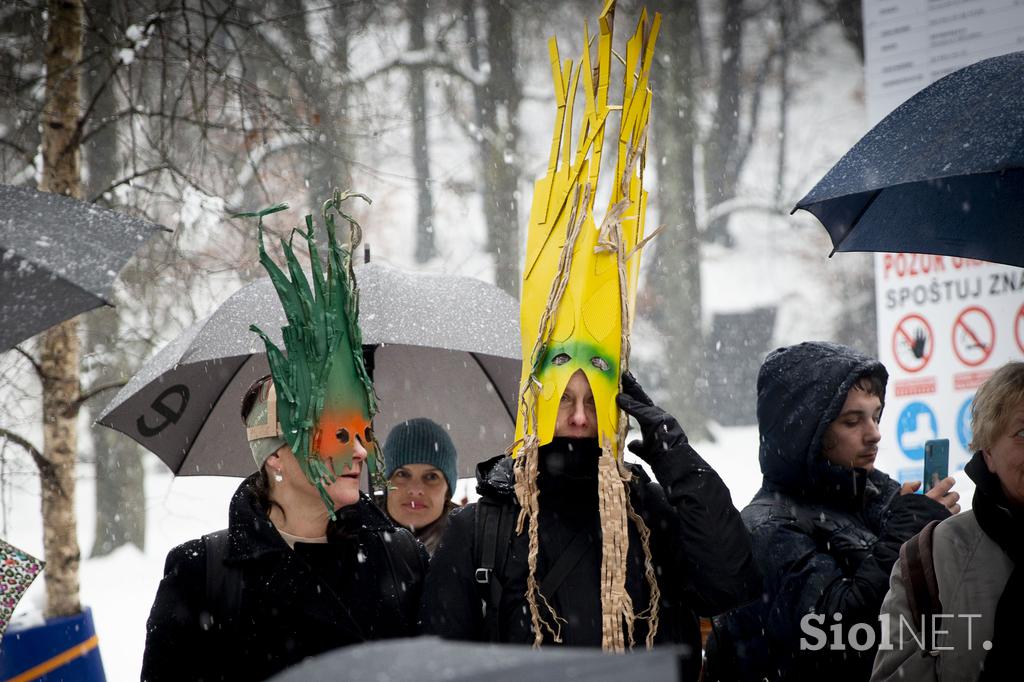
(508, 408)
(853, 223)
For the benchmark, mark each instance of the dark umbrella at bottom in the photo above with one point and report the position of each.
(429, 659)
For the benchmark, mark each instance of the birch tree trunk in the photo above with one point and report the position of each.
(59, 357)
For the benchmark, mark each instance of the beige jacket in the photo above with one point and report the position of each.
(971, 570)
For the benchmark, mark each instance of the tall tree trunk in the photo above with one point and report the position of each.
(721, 168)
(59, 357)
(785, 10)
(120, 477)
(497, 103)
(673, 280)
(425, 249)
(325, 106)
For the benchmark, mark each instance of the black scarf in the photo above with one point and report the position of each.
(567, 481)
(1005, 526)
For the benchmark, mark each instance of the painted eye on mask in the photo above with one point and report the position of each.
(560, 359)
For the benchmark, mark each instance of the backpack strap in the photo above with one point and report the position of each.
(492, 537)
(917, 568)
(567, 561)
(223, 583)
(493, 527)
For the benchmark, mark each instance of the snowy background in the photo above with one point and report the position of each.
(776, 260)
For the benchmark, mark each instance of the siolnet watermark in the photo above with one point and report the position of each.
(864, 636)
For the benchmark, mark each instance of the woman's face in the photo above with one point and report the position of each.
(343, 492)
(1005, 458)
(417, 496)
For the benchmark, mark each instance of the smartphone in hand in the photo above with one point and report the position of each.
(936, 462)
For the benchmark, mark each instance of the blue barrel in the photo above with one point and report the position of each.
(60, 649)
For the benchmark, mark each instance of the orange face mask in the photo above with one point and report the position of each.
(336, 435)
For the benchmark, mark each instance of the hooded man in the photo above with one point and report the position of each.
(569, 544)
(826, 525)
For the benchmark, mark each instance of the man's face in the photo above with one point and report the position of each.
(852, 439)
(1005, 458)
(577, 413)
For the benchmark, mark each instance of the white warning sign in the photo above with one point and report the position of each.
(912, 343)
(974, 336)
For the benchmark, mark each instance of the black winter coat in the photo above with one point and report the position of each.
(364, 584)
(700, 550)
(825, 537)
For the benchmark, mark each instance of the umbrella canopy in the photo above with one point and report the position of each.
(58, 257)
(942, 174)
(445, 347)
(17, 571)
(429, 659)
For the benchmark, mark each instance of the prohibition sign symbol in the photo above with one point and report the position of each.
(1018, 328)
(974, 336)
(912, 343)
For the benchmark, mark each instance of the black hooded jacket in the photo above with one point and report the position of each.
(825, 537)
(364, 584)
(700, 551)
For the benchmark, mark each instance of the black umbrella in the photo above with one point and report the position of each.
(58, 257)
(446, 347)
(942, 174)
(429, 659)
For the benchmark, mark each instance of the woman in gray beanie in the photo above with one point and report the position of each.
(419, 463)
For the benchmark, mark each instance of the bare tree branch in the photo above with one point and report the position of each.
(35, 363)
(129, 179)
(44, 465)
(95, 391)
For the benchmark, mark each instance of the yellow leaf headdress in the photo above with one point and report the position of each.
(579, 288)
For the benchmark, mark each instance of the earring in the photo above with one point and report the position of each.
(278, 477)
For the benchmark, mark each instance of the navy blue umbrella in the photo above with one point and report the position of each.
(942, 174)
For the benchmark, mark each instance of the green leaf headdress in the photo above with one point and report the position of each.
(325, 398)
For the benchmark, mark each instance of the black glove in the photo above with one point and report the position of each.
(908, 514)
(661, 432)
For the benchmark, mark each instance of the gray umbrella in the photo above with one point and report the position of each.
(429, 659)
(58, 258)
(447, 348)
